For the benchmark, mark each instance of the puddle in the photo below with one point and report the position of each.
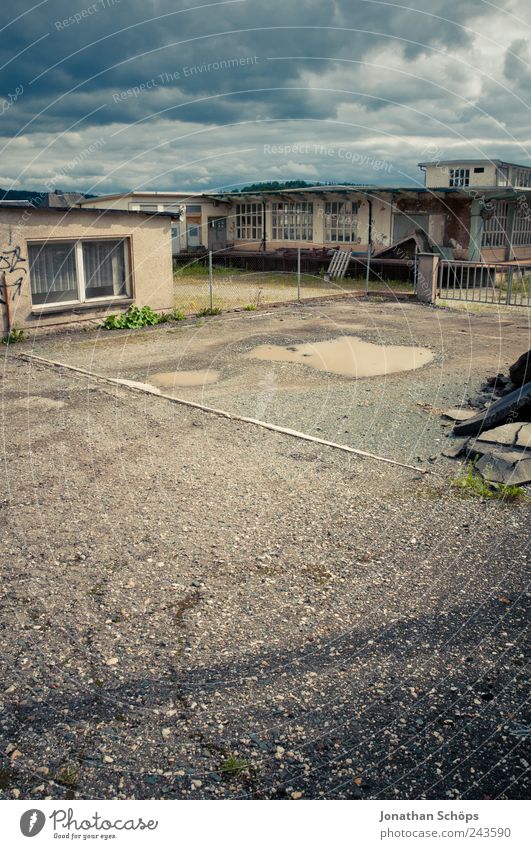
(197, 377)
(348, 356)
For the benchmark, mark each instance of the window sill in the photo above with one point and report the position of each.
(84, 307)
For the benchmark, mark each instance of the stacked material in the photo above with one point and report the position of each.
(498, 436)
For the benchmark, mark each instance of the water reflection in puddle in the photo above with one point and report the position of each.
(348, 356)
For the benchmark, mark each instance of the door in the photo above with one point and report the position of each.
(194, 233)
(405, 225)
(217, 234)
(175, 237)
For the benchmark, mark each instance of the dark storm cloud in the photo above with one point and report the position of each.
(168, 96)
(92, 51)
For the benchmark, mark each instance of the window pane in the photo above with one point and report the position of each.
(53, 273)
(104, 267)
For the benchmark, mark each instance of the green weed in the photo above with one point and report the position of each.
(136, 317)
(233, 766)
(14, 336)
(469, 483)
(209, 311)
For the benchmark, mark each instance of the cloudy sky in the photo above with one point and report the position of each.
(179, 94)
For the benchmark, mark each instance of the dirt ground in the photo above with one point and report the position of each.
(196, 607)
(236, 288)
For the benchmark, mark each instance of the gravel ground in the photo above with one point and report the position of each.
(193, 607)
(397, 416)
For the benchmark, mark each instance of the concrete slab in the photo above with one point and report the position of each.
(460, 414)
(506, 467)
(524, 436)
(502, 435)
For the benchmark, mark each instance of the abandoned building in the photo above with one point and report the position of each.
(61, 265)
(467, 209)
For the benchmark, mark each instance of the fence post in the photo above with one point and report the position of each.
(298, 274)
(415, 269)
(427, 277)
(508, 297)
(368, 270)
(210, 283)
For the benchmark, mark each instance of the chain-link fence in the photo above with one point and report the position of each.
(209, 282)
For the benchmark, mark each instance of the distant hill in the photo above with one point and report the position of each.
(275, 185)
(37, 198)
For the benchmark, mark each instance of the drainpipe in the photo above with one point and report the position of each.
(6, 300)
(369, 246)
(264, 234)
(477, 224)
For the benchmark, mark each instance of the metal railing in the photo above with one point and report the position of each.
(490, 283)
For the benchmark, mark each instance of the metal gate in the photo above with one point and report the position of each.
(491, 283)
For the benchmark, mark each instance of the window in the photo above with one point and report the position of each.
(495, 226)
(249, 221)
(479, 170)
(521, 177)
(522, 224)
(459, 177)
(341, 221)
(193, 208)
(292, 222)
(73, 272)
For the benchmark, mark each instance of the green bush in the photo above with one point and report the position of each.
(209, 311)
(140, 317)
(14, 336)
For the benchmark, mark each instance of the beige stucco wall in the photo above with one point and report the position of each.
(381, 226)
(208, 209)
(438, 176)
(150, 255)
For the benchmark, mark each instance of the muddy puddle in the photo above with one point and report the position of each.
(172, 379)
(348, 356)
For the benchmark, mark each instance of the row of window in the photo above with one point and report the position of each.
(496, 228)
(294, 221)
(78, 271)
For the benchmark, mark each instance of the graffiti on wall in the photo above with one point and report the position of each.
(14, 266)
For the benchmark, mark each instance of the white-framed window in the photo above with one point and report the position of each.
(249, 225)
(340, 221)
(459, 178)
(292, 222)
(522, 224)
(521, 177)
(495, 226)
(70, 272)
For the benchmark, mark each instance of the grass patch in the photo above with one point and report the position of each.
(209, 311)
(232, 766)
(250, 307)
(199, 269)
(470, 483)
